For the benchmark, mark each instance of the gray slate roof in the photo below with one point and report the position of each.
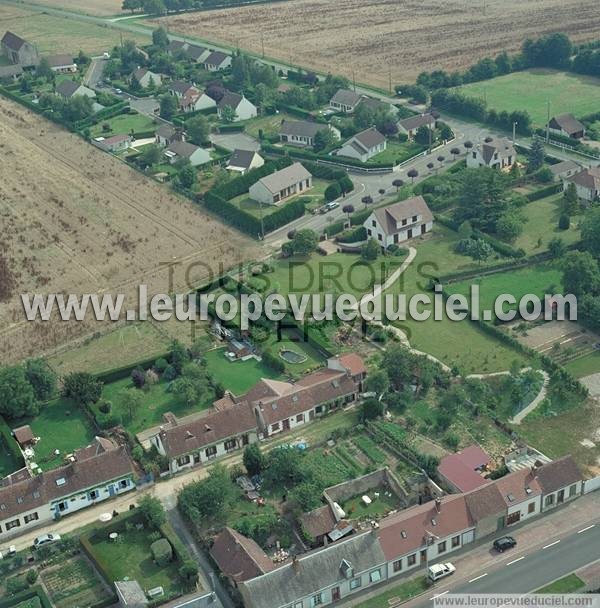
(558, 474)
(194, 52)
(501, 145)
(369, 138)
(568, 123)
(313, 571)
(216, 58)
(230, 99)
(6, 71)
(58, 61)
(564, 166)
(241, 158)
(183, 148)
(180, 86)
(285, 177)
(588, 178)
(414, 122)
(301, 128)
(67, 87)
(388, 216)
(345, 97)
(12, 41)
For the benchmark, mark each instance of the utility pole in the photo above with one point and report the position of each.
(262, 43)
(514, 130)
(390, 75)
(548, 122)
(353, 81)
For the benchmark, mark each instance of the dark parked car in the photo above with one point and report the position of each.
(504, 543)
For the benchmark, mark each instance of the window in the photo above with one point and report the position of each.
(412, 559)
(374, 224)
(369, 232)
(183, 460)
(30, 517)
(379, 237)
(15, 523)
(474, 154)
(414, 219)
(317, 599)
(94, 495)
(531, 507)
(375, 576)
(573, 490)
(455, 541)
(397, 565)
(442, 547)
(230, 444)
(275, 427)
(300, 418)
(211, 452)
(355, 583)
(549, 500)
(124, 483)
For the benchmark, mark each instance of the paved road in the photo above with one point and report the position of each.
(528, 572)
(94, 72)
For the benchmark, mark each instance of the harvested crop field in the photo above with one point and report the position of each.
(76, 220)
(55, 34)
(402, 37)
(90, 7)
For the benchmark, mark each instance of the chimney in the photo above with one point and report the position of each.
(207, 428)
(438, 504)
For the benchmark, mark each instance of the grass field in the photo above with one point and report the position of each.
(130, 559)
(117, 348)
(156, 402)
(584, 366)
(397, 152)
(530, 90)
(236, 376)
(52, 35)
(61, 425)
(566, 584)
(123, 124)
(455, 343)
(541, 225)
(95, 7)
(538, 280)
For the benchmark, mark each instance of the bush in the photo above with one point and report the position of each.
(162, 552)
(31, 576)
(273, 361)
(161, 365)
(170, 373)
(108, 421)
(105, 406)
(564, 222)
(356, 235)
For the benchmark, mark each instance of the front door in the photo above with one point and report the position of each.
(561, 496)
(423, 557)
(335, 594)
(286, 424)
(423, 228)
(410, 233)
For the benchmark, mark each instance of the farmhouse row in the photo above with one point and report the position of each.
(402, 542)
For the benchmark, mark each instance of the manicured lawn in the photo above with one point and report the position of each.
(61, 425)
(236, 376)
(397, 152)
(400, 593)
(584, 366)
(269, 124)
(455, 343)
(129, 558)
(542, 225)
(156, 402)
(530, 90)
(538, 280)
(567, 584)
(355, 508)
(117, 348)
(123, 124)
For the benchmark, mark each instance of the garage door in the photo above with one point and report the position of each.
(468, 537)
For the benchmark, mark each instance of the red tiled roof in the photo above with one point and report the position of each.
(459, 468)
(407, 531)
(23, 434)
(353, 363)
(518, 486)
(558, 474)
(318, 521)
(239, 557)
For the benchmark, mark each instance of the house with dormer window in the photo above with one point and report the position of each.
(399, 222)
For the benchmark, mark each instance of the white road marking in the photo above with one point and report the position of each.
(514, 561)
(439, 595)
(585, 529)
(478, 577)
(551, 544)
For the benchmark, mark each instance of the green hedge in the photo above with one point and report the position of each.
(499, 246)
(37, 591)
(314, 156)
(353, 236)
(10, 443)
(544, 192)
(232, 128)
(297, 112)
(118, 373)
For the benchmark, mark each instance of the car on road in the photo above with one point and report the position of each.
(331, 205)
(504, 543)
(438, 571)
(45, 539)
(118, 91)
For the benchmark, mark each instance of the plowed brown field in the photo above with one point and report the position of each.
(76, 220)
(374, 38)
